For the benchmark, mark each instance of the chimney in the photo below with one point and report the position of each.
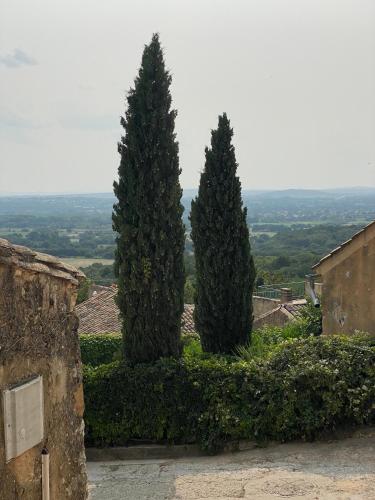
(286, 295)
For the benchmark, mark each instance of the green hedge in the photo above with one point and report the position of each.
(98, 349)
(103, 348)
(306, 387)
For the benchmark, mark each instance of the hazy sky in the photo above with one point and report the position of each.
(296, 77)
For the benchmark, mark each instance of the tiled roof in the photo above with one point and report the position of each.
(100, 314)
(294, 308)
(187, 319)
(344, 245)
(281, 314)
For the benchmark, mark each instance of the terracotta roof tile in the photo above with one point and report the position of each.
(187, 319)
(294, 308)
(100, 314)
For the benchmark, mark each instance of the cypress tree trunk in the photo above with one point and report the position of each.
(224, 265)
(147, 217)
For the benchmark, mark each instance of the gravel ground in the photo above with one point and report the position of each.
(343, 469)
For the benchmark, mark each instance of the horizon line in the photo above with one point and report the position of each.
(71, 193)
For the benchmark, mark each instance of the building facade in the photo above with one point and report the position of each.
(348, 285)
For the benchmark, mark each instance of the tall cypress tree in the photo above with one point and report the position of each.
(224, 265)
(148, 217)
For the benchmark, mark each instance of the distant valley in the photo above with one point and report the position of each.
(290, 229)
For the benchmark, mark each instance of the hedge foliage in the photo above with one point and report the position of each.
(305, 387)
(99, 349)
(103, 348)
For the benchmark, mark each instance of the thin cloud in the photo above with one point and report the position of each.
(17, 59)
(12, 120)
(90, 122)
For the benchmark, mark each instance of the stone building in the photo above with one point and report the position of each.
(41, 394)
(277, 312)
(348, 285)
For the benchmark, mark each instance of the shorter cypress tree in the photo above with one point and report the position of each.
(224, 265)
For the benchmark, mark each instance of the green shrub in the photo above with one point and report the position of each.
(265, 340)
(98, 349)
(311, 319)
(83, 290)
(305, 387)
(191, 345)
(326, 382)
(103, 348)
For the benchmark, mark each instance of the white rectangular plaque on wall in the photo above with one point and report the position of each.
(23, 417)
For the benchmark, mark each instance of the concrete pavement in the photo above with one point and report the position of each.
(343, 469)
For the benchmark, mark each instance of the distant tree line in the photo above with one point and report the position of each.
(285, 254)
(90, 244)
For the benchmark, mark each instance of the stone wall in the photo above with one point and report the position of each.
(275, 317)
(262, 305)
(38, 336)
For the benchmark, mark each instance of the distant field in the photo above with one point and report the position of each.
(82, 262)
(309, 223)
(259, 233)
